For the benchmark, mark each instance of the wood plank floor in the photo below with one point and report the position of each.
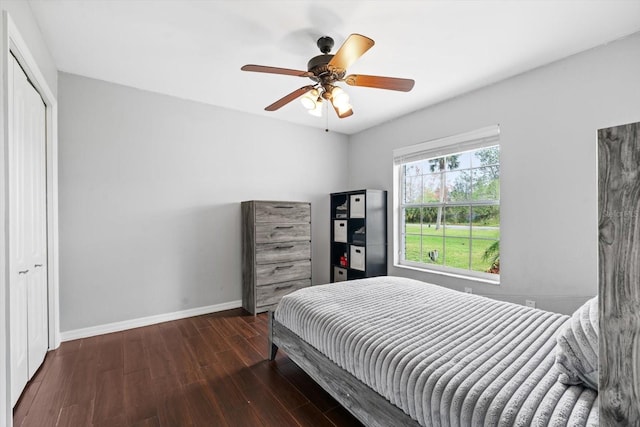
(202, 371)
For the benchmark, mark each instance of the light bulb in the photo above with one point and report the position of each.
(317, 111)
(344, 110)
(339, 97)
(308, 100)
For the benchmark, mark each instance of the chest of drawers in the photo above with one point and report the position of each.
(276, 251)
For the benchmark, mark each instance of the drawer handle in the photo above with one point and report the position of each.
(37, 265)
(357, 199)
(23, 271)
(284, 247)
(284, 267)
(283, 226)
(341, 224)
(281, 288)
(358, 251)
(283, 207)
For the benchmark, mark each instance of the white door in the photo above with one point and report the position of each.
(37, 309)
(27, 230)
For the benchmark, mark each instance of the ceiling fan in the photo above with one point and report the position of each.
(326, 70)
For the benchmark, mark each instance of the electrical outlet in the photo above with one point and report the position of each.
(530, 303)
(468, 290)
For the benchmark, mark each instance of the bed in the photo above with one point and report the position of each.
(396, 351)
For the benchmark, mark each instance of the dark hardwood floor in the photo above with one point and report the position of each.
(203, 371)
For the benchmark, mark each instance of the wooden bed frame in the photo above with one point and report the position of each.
(362, 401)
(619, 300)
(618, 268)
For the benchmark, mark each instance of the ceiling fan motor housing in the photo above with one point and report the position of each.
(318, 64)
(325, 44)
(323, 73)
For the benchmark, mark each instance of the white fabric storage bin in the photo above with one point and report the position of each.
(356, 206)
(340, 231)
(339, 274)
(357, 258)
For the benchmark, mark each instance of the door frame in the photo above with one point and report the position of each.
(13, 43)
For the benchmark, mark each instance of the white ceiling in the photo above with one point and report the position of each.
(194, 49)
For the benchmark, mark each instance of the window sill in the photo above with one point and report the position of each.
(449, 274)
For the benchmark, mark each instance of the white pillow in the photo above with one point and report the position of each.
(577, 350)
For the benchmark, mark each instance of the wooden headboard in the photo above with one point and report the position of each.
(619, 274)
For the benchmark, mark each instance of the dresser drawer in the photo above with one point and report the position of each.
(268, 253)
(283, 212)
(271, 294)
(273, 233)
(267, 274)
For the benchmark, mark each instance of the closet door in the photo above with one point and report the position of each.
(19, 234)
(27, 222)
(37, 308)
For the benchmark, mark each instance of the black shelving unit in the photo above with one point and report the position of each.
(358, 234)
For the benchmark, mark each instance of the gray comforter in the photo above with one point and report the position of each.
(444, 357)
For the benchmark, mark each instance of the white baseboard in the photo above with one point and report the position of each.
(146, 321)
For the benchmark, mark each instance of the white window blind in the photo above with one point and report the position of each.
(450, 144)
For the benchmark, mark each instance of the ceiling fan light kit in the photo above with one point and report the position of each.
(326, 70)
(339, 97)
(317, 110)
(310, 99)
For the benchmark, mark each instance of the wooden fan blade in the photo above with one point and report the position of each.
(353, 48)
(288, 98)
(379, 82)
(344, 114)
(275, 70)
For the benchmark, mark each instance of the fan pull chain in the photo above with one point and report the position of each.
(326, 109)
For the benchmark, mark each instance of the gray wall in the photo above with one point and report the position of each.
(548, 119)
(150, 192)
(150, 185)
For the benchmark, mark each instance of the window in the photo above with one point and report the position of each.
(448, 204)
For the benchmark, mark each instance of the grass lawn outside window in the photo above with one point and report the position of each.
(449, 205)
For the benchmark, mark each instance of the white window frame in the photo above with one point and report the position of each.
(485, 137)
